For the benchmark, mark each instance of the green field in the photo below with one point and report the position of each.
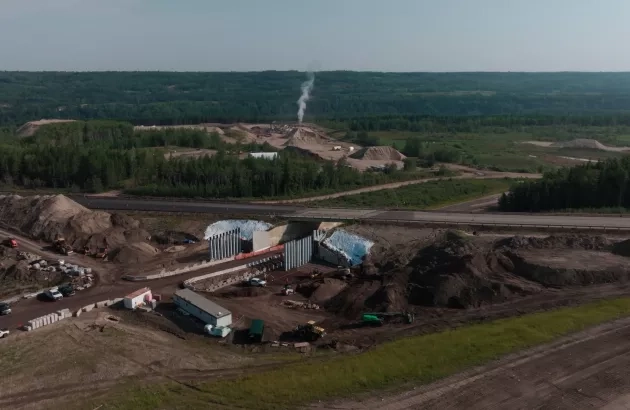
(504, 150)
(418, 359)
(426, 195)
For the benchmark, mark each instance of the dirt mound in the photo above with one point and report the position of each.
(553, 241)
(580, 143)
(18, 272)
(30, 128)
(304, 152)
(45, 217)
(138, 252)
(383, 153)
(322, 292)
(304, 136)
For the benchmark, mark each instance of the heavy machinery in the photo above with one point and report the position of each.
(61, 246)
(380, 318)
(309, 332)
(10, 242)
(287, 290)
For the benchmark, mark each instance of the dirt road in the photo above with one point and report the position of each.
(588, 370)
(468, 173)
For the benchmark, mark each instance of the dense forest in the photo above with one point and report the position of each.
(593, 185)
(95, 156)
(182, 98)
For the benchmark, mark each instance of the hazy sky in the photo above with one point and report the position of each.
(379, 35)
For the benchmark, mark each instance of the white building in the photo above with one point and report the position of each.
(264, 155)
(203, 309)
(137, 298)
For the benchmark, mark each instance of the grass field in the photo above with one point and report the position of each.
(419, 359)
(502, 149)
(432, 194)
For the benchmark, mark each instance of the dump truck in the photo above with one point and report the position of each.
(61, 246)
(10, 242)
(380, 318)
(309, 332)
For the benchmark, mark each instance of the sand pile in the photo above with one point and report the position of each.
(378, 153)
(304, 136)
(137, 252)
(45, 217)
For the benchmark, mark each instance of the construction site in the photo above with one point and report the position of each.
(308, 140)
(273, 286)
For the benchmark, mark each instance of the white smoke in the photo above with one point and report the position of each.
(307, 87)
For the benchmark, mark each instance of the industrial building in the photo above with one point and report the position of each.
(203, 309)
(264, 155)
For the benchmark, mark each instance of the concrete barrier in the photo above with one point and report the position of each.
(88, 308)
(101, 304)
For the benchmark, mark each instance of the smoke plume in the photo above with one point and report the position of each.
(307, 87)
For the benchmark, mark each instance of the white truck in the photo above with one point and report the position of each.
(257, 282)
(53, 294)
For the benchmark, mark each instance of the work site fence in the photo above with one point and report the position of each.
(298, 252)
(225, 245)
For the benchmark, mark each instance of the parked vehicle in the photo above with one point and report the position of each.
(309, 332)
(4, 333)
(66, 290)
(257, 282)
(380, 318)
(10, 242)
(53, 294)
(5, 309)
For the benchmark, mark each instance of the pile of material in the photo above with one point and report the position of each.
(47, 217)
(304, 136)
(383, 153)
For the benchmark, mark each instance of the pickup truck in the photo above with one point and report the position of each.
(4, 333)
(5, 309)
(53, 294)
(257, 282)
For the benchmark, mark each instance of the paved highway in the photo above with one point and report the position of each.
(338, 214)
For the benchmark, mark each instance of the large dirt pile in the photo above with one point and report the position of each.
(303, 136)
(378, 153)
(45, 217)
(462, 271)
(137, 252)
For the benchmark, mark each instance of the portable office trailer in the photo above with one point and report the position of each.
(203, 309)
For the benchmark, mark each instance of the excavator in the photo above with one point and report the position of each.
(380, 318)
(61, 246)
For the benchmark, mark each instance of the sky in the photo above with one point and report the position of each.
(365, 35)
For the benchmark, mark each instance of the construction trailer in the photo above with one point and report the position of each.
(138, 298)
(202, 308)
(256, 331)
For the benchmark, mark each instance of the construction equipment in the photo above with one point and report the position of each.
(102, 253)
(316, 274)
(61, 246)
(287, 290)
(380, 318)
(10, 242)
(309, 331)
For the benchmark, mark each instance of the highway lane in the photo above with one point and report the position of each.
(164, 205)
(344, 214)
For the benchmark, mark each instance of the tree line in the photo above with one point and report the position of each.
(593, 185)
(96, 156)
(187, 98)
